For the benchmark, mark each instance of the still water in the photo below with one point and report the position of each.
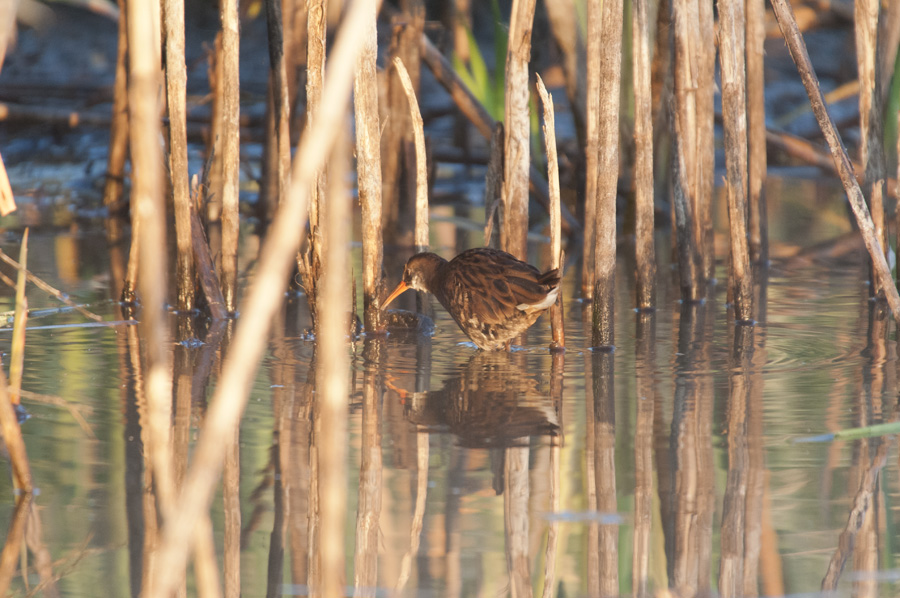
(669, 463)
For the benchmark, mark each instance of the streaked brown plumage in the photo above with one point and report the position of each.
(493, 296)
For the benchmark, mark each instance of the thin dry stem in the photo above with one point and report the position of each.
(592, 144)
(645, 255)
(12, 436)
(556, 319)
(118, 137)
(231, 158)
(17, 353)
(421, 162)
(260, 305)
(756, 131)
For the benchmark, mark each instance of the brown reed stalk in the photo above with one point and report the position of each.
(12, 436)
(118, 136)
(407, 30)
(206, 270)
(514, 232)
(734, 116)
(148, 208)
(17, 352)
(176, 95)
(705, 160)
(686, 154)
(418, 127)
(756, 131)
(797, 47)
(368, 168)
(214, 156)
(280, 95)
(231, 158)
(645, 254)
(310, 261)
(556, 310)
(870, 115)
(260, 305)
(610, 73)
(332, 381)
(592, 144)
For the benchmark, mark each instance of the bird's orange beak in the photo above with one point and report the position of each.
(400, 288)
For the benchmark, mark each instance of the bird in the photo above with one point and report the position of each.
(492, 295)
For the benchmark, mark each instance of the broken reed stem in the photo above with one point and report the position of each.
(645, 254)
(734, 117)
(757, 160)
(791, 32)
(12, 436)
(592, 144)
(421, 161)
(705, 159)
(332, 381)
(610, 72)
(368, 168)
(556, 310)
(17, 352)
(259, 307)
(49, 289)
(517, 146)
(317, 29)
(206, 269)
(176, 95)
(231, 159)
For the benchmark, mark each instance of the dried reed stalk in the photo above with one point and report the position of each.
(516, 166)
(785, 16)
(418, 127)
(407, 31)
(17, 352)
(368, 168)
(280, 95)
(231, 509)
(231, 158)
(592, 144)
(734, 116)
(556, 310)
(332, 381)
(610, 73)
(756, 131)
(685, 158)
(176, 95)
(705, 159)
(118, 137)
(259, 306)
(148, 208)
(206, 270)
(871, 114)
(645, 254)
(317, 29)
(12, 436)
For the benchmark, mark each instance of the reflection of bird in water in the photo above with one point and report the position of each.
(491, 402)
(492, 296)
